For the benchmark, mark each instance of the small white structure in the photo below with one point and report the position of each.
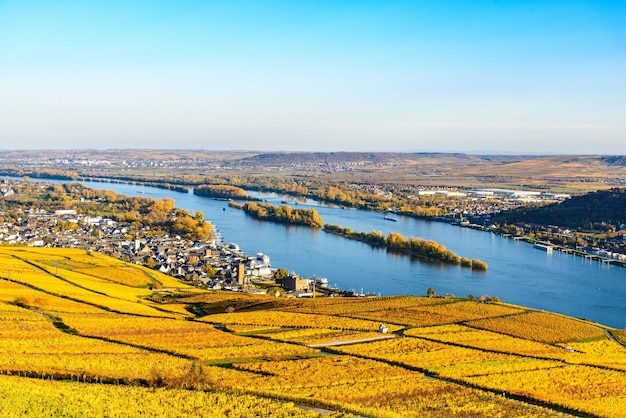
(92, 220)
(546, 248)
(262, 259)
(64, 212)
(320, 281)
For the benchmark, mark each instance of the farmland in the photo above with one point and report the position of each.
(108, 338)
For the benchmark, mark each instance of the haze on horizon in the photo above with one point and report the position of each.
(481, 76)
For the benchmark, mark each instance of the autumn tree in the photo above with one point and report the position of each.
(280, 274)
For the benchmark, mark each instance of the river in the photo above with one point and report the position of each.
(518, 273)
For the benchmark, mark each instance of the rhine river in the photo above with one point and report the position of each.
(518, 273)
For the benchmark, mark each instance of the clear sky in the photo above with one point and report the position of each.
(337, 75)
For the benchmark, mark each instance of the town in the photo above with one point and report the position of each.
(206, 263)
(213, 264)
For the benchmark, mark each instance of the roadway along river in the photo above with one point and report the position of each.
(518, 273)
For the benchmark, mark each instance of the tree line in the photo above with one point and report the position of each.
(284, 214)
(158, 217)
(221, 191)
(419, 247)
(600, 210)
(359, 194)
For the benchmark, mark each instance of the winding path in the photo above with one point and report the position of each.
(347, 342)
(612, 338)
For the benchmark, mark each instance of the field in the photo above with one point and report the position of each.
(85, 334)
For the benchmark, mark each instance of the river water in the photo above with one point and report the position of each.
(518, 273)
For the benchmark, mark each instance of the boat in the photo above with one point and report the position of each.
(389, 218)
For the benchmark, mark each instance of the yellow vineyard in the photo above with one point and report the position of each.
(82, 334)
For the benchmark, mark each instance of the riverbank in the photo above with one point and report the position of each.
(415, 247)
(594, 256)
(517, 272)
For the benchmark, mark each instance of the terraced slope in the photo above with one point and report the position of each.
(71, 320)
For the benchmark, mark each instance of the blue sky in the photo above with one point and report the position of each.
(468, 76)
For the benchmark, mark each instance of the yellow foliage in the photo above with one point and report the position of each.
(43, 398)
(250, 329)
(487, 340)
(352, 306)
(290, 319)
(25, 296)
(446, 312)
(74, 286)
(56, 298)
(373, 388)
(423, 354)
(29, 342)
(583, 388)
(602, 352)
(542, 327)
(320, 336)
(194, 339)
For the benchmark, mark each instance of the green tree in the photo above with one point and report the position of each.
(280, 274)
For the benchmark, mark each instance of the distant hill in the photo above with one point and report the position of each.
(280, 158)
(318, 158)
(607, 206)
(614, 160)
(566, 173)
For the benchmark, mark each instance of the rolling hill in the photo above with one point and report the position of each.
(82, 333)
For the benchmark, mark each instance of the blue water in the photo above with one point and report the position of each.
(518, 273)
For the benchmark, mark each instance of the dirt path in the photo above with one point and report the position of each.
(360, 340)
(612, 338)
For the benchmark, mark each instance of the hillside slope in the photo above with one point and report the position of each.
(608, 206)
(71, 320)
